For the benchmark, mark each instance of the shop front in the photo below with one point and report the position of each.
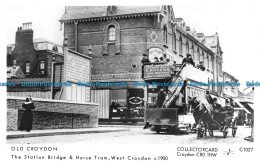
(119, 105)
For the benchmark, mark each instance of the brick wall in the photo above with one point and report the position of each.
(53, 114)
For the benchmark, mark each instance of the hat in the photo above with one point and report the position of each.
(227, 101)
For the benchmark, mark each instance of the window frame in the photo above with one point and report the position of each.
(27, 67)
(111, 33)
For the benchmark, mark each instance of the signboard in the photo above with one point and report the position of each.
(77, 68)
(173, 91)
(157, 71)
(155, 52)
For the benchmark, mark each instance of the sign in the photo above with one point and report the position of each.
(135, 100)
(173, 91)
(77, 68)
(157, 71)
(155, 52)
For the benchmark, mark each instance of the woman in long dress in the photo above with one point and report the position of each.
(26, 122)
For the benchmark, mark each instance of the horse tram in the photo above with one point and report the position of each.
(174, 104)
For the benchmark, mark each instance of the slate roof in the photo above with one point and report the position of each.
(81, 12)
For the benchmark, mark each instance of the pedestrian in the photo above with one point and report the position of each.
(27, 118)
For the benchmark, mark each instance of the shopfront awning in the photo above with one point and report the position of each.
(240, 106)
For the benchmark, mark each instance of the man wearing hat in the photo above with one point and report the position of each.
(228, 110)
(215, 104)
(188, 60)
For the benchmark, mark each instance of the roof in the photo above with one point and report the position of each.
(14, 72)
(229, 75)
(82, 12)
(43, 44)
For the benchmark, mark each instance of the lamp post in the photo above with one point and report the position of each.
(54, 49)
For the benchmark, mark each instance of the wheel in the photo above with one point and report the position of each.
(234, 131)
(158, 129)
(225, 132)
(199, 133)
(211, 133)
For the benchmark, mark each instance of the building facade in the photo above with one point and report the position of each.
(118, 36)
(31, 60)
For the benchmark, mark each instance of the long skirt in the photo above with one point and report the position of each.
(26, 121)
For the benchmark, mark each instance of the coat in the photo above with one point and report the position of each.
(27, 118)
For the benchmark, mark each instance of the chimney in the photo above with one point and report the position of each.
(111, 10)
(24, 37)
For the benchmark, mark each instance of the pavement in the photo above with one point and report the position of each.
(53, 132)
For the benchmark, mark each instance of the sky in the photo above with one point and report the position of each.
(234, 21)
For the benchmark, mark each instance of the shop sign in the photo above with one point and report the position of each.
(157, 71)
(155, 52)
(135, 100)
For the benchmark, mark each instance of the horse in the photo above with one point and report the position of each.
(201, 115)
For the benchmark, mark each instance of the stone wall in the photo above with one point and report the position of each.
(53, 114)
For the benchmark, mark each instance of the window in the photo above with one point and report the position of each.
(202, 57)
(111, 33)
(175, 41)
(27, 67)
(192, 51)
(180, 46)
(198, 54)
(165, 35)
(187, 48)
(207, 61)
(42, 65)
(220, 69)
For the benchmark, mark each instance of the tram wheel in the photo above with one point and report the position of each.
(158, 129)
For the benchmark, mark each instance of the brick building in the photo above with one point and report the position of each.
(31, 60)
(118, 36)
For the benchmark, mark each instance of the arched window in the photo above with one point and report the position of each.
(180, 46)
(111, 33)
(165, 35)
